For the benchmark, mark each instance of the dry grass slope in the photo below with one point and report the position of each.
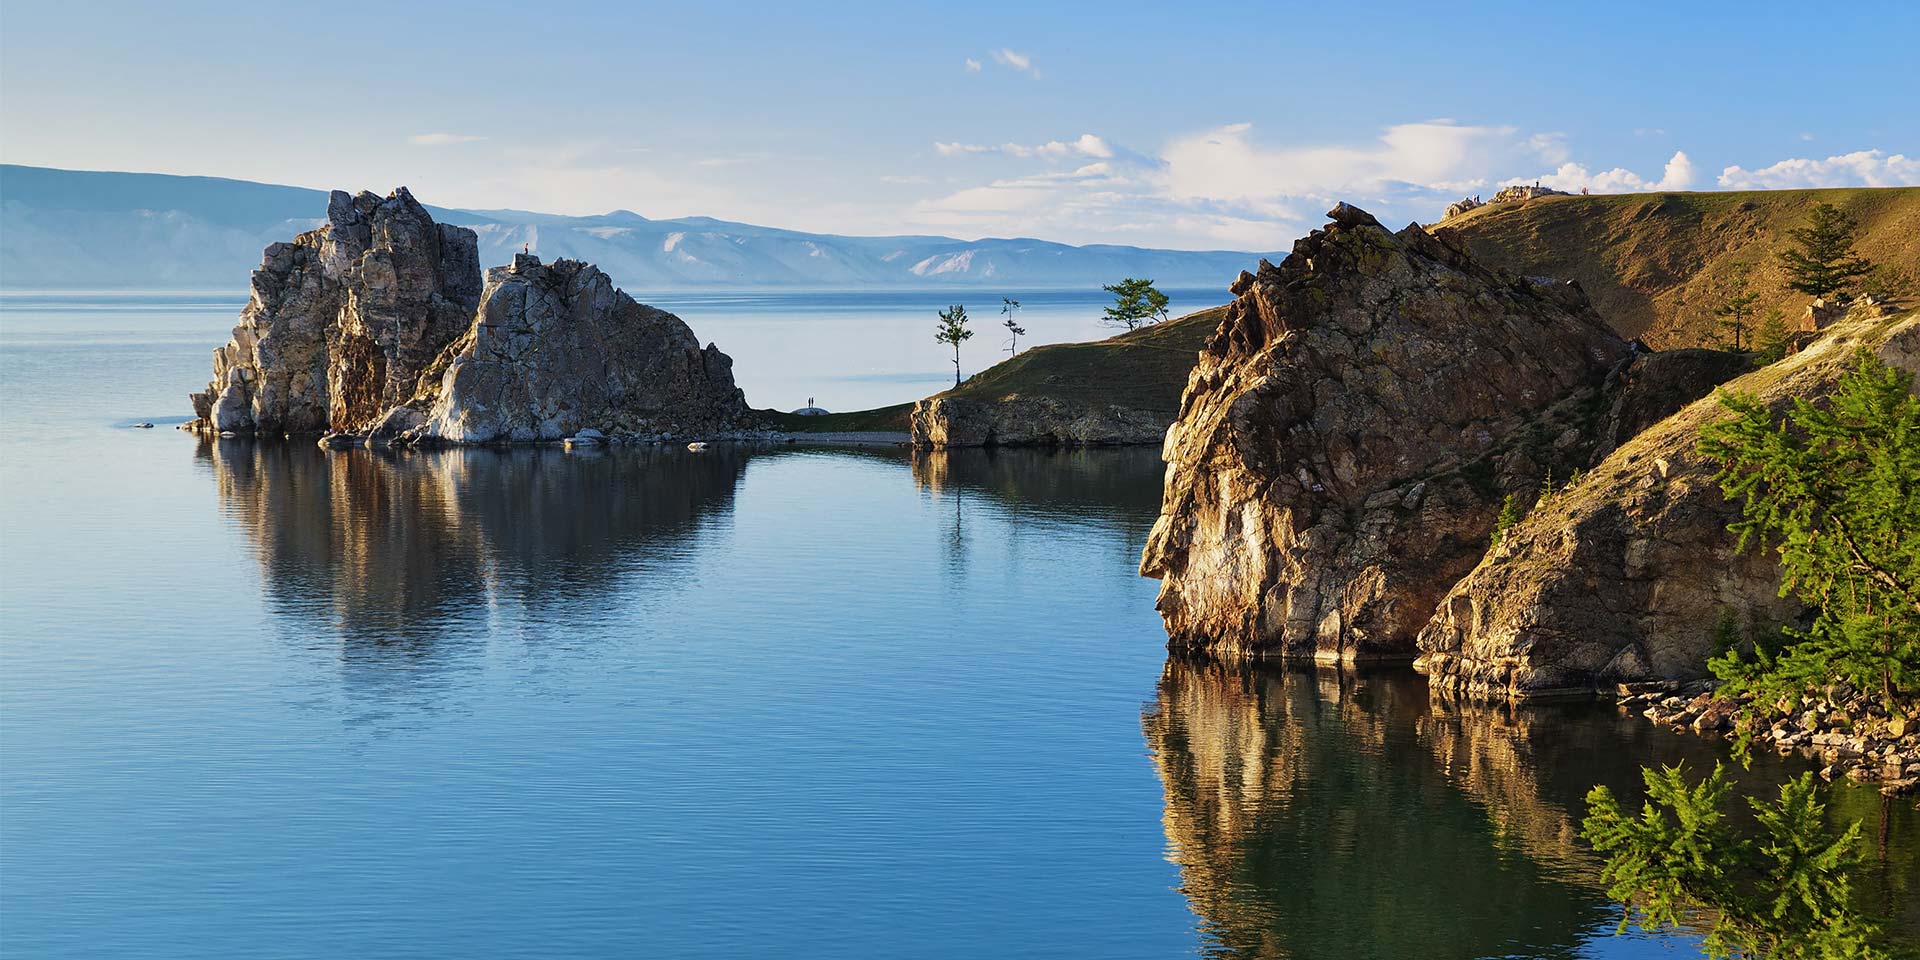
(1655, 264)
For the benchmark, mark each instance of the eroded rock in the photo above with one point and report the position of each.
(1629, 574)
(1345, 442)
(377, 327)
(556, 349)
(342, 321)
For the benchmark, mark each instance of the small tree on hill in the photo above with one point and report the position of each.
(1734, 311)
(1010, 306)
(1770, 341)
(1135, 303)
(1510, 514)
(953, 330)
(1821, 262)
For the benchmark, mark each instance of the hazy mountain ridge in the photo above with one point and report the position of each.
(66, 229)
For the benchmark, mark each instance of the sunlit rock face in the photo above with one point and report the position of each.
(1628, 574)
(1344, 444)
(556, 349)
(378, 325)
(342, 321)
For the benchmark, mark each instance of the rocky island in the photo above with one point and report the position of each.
(378, 326)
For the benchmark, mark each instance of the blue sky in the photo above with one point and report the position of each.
(1187, 125)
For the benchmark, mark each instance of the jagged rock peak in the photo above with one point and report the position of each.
(379, 324)
(1344, 442)
(342, 320)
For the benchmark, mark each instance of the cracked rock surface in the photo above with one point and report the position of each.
(378, 325)
(1345, 442)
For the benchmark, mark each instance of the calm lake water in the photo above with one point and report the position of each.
(258, 700)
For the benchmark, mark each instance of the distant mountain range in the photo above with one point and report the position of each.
(69, 229)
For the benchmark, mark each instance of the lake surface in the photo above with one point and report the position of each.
(259, 700)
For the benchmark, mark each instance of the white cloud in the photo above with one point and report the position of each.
(1226, 187)
(442, 139)
(973, 66)
(1437, 155)
(1019, 62)
(1087, 145)
(1573, 177)
(1806, 136)
(1862, 168)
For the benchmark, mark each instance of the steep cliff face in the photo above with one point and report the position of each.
(1344, 444)
(376, 325)
(1627, 574)
(343, 320)
(556, 349)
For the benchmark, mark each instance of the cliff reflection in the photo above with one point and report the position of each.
(397, 547)
(1320, 814)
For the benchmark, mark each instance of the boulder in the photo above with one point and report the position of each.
(342, 321)
(1628, 574)
(1344, 445)
(556, 348)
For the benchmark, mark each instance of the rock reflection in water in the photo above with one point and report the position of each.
(396, 547)
(1324, 814)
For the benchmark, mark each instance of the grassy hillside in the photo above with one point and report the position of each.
(1654, 262)
(1145, 369)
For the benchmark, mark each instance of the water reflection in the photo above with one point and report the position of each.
(398, 548)
(1321, 813)
(1104, 485)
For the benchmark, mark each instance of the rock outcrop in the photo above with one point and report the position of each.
(377, 325)
(343, 320)
(1031, 422)
(1123, 390)
(556, 349)
(1345, 442)
(1627, 575)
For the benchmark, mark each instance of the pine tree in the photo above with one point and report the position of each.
(1734, 311)
(1821, 262)
(1770, 341)
(953, 330)
(1136, 302)
(1783, 892)
(1837, 488)
(1509, 515)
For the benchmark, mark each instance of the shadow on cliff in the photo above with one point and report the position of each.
(394, 551)
(1321, 813)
